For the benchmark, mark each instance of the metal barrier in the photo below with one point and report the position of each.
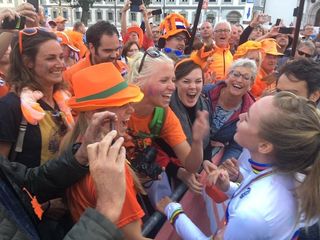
(157, 217)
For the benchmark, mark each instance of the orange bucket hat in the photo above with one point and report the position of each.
(65, 40)
(173, 24)
(245, 47)
(94, 89)
(269, 46)
(137, 30)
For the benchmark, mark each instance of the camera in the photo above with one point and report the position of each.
(18, 23)
(144, 162)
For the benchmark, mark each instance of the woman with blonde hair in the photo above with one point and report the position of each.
(154, 73)
(96, 91)
(282, 134)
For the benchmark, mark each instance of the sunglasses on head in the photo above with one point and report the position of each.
(58, 119)
(29, 32)
(303, 54)
(152, 52)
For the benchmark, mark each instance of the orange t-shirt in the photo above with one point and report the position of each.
(84, 63)
(171, 132)
(82, 195)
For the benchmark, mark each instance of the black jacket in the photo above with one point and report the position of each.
(46, 182)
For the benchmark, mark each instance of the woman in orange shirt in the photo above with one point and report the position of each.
(96, 91)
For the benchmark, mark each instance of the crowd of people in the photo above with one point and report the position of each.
(99, 128)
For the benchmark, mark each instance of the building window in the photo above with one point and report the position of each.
(184, 14)
(133, 16)
(158, 1)
(157, 18)
(99, 15)
(110, 16)
(89, 15)
(227, 1)
(9, 1)
(78, 15)
(214, 0)
(243, 1)
(184, 1)
(233, 17)
(121, 1)
(211, 18)
(119, 16)
(171, 1)
(65, 14)
(54, 14)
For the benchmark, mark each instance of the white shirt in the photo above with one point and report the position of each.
(265, 209)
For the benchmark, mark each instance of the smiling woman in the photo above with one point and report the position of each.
(36, 65)
(228, 99)
(34, 117)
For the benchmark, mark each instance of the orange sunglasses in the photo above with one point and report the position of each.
(29, 32)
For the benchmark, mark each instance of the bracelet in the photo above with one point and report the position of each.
(175, 215)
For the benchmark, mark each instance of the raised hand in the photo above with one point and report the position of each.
(107, 168)
(200, 127)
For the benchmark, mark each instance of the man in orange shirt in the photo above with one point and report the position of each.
(103, 43)
(265, 80)
(222, 57)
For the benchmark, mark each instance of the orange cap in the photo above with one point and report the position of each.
(173, 24)
(65, 40)
(269, 46)
(137, 30)
(245, 47)
(60, 19)
(94, 89)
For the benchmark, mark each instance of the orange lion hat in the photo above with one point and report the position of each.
(173, 24)
(94, 89)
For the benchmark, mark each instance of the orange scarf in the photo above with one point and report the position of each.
(33, 112)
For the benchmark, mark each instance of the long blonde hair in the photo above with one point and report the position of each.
(294, 131)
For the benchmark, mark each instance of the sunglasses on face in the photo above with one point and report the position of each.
(154, 53)
(237, 74)
(303, 54)
(29, 32)
(178, 53)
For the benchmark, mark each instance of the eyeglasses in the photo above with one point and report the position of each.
(178, 53)
(303, 54)
(222, 31)
(237, 74)
(152, 52)
(29, 32)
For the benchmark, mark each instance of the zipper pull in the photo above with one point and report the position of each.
(35, 204)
